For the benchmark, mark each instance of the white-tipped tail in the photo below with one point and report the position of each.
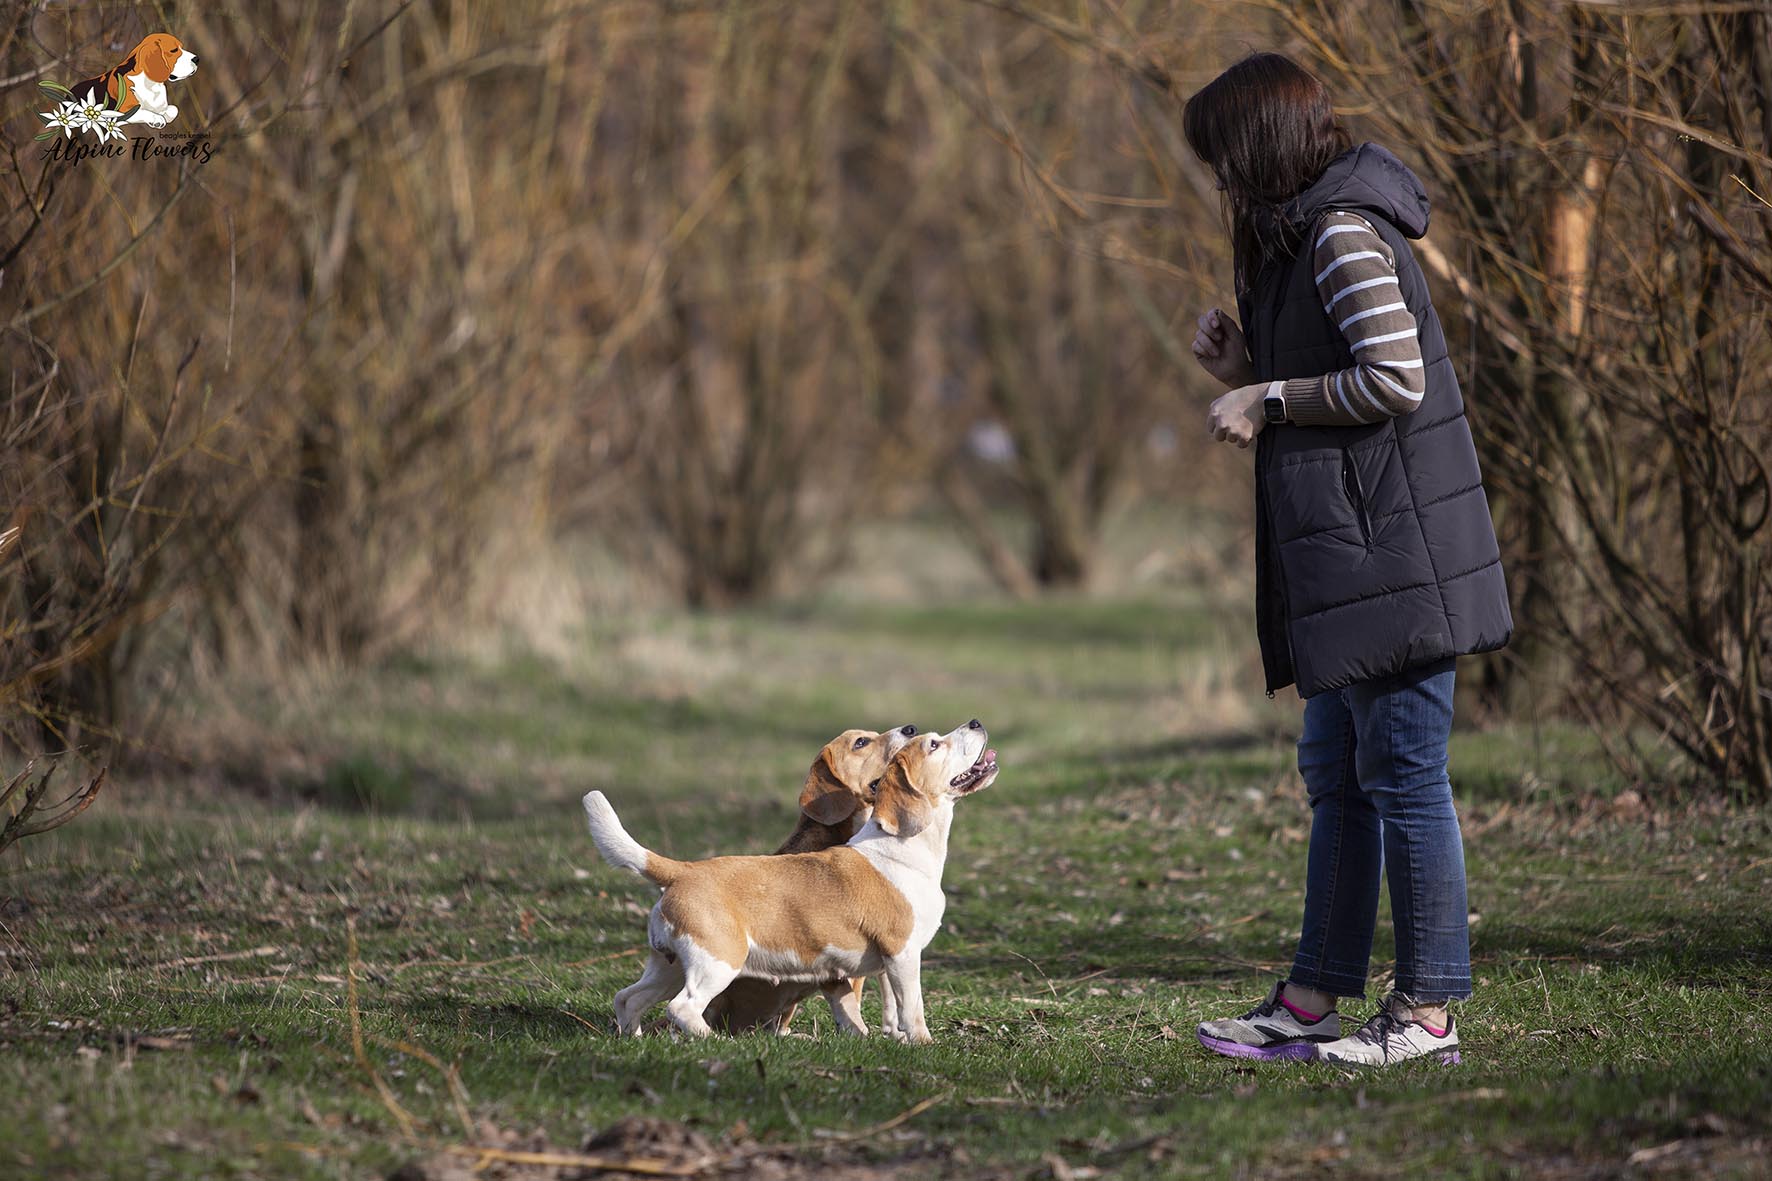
(618, 848)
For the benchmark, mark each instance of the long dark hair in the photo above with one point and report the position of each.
(1267, 130)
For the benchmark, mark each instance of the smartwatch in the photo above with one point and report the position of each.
(1273, 406)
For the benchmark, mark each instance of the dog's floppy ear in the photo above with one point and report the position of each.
(899, 808)
(825, 798)
(154, 61)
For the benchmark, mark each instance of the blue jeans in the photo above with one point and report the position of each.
(1373, 758)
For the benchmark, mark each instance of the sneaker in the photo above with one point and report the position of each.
(1390, 1038)
(1269, 1031)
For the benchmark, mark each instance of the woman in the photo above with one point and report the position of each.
(1376, 560)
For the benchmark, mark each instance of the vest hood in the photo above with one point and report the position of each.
(1366, 177)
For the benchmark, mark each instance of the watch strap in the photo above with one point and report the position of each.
(1273, 404)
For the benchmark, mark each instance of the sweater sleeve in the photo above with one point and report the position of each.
(1357, 281)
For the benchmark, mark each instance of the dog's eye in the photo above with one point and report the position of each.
(861, 742)
(933, 744)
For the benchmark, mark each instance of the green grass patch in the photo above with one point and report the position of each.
(175, 991)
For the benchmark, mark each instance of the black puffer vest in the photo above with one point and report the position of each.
(1375, 551)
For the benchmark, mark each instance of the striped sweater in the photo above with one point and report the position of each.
(1357, 281)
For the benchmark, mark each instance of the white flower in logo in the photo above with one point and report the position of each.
(100, 120)
(105, 126)
(64, 119)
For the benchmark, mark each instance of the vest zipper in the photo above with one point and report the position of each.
(1356, 494)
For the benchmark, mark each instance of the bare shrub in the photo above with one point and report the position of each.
(836, 272)
(103, 432)
(97, 480)
(412, 394)
(22, 803)
(747, 360)
(1059, 231)
(296, 396)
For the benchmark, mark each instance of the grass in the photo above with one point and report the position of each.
(176, 987)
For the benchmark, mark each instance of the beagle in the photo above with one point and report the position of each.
(837, 799)
(137, 84)
(867, 908)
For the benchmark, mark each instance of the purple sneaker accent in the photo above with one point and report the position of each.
(1284, 1051)
(1270, 1032)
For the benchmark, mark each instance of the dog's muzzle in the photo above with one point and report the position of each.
(977, 773)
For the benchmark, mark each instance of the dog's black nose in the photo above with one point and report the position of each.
(975, 724)
(908, 731)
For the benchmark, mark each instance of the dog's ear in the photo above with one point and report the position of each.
(825, 798)
(899, 808)
(154, 60)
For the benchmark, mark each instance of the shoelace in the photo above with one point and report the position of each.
(1377, 1031)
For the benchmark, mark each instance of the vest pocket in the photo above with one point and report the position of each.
(1356, 496)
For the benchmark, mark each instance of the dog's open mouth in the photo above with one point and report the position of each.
(977, 773)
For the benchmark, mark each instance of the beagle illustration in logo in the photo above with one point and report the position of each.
(137, 84)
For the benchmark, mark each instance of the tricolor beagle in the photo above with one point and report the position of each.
(837, 799)
(867, 908)
(137, 84)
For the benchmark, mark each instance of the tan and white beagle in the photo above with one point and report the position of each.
(867, 908)
(137, 84)
(835, 801)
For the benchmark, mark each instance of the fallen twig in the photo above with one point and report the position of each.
(598, 959)
(396, 969)
(189, 960)
(458, 1093)
(578, 1019)
(909, 1113)
(645, 1165)
(400, 1114)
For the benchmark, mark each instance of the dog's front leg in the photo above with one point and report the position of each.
(904, 975)
(780, 1022)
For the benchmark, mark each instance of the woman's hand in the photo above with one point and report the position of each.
(1220, 349)
(1237, 417)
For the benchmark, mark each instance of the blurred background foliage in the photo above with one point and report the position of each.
(486, 316)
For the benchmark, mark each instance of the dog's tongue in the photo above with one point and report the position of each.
(990, 756)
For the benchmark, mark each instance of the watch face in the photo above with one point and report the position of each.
(1275, 408)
